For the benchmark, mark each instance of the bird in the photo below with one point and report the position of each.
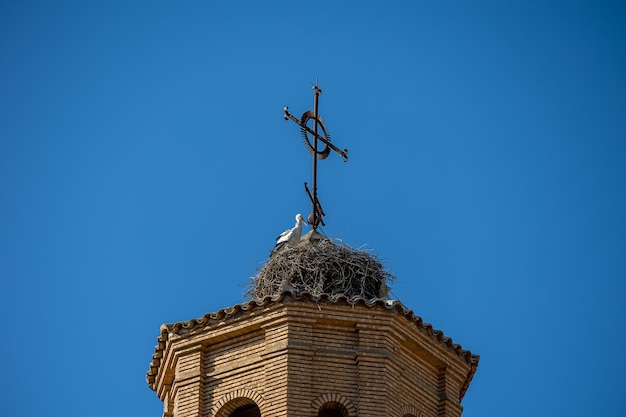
(290, 237)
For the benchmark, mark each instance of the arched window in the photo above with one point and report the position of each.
(408, 410)
(248, 410)
(333, 409)
(239, 403)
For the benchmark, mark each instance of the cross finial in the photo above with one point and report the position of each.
(317, 213)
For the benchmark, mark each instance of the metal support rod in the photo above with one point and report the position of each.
(320, 210)
(315, 116)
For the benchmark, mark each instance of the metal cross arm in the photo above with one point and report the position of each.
(302, 123)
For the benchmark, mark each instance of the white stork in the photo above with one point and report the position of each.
(290, 237)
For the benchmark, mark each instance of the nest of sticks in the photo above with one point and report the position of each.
(322, 267)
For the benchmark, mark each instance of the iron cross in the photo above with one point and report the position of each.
(315, 218)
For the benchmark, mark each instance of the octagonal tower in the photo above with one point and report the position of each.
(297, 354)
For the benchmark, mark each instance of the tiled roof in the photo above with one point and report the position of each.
(184, 327)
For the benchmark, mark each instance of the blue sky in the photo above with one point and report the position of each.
(145, 170)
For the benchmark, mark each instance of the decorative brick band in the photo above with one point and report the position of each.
(331, 400)
(235, 399)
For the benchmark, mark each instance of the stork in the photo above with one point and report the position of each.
(290, 237)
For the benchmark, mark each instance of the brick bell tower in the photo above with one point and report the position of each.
(311, 345)
(319, 336)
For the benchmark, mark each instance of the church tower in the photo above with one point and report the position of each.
(319, 337)
(328, 352)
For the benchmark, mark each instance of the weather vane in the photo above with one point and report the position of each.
(311, 140)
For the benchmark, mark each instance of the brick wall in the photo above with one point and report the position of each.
(292, 356)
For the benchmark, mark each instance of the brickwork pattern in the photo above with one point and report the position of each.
(295, 356)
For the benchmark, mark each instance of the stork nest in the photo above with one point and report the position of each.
(322, 267)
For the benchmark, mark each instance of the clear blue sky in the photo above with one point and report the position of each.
(145, 170)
